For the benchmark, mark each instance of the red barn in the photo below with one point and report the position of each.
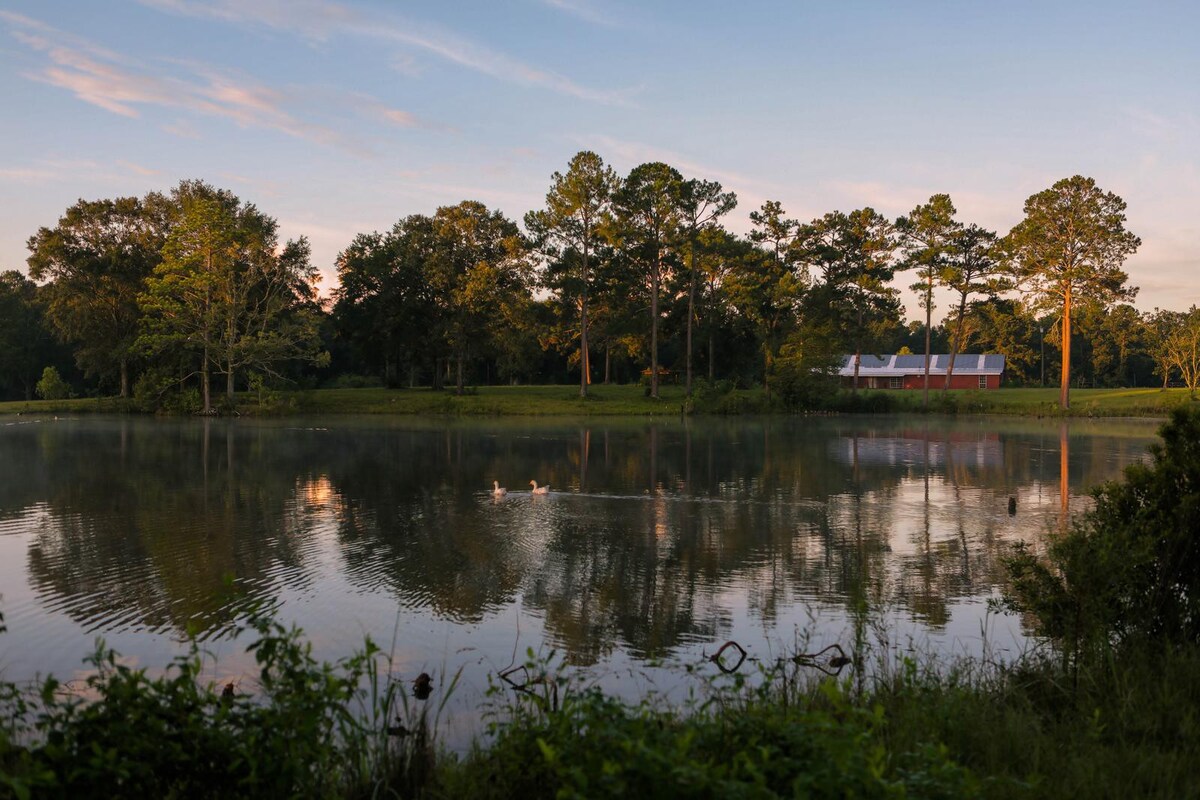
(971, 371)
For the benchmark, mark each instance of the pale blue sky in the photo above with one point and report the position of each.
(341, 117)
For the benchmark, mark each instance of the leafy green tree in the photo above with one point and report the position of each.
(26, 343)
(52, 386)
(1116, 336)
(764, 287)
(1128, 571)
(480, 276)
(929, 235)
(227, 293)
(718, 253)
(773, 231)
(1070, 248)
(383, 304)
(97, 259)
(1183, 346)
(1007, 327)
(854, 256)
(701, 204)
(972, 270)
(1158, 326)
(649, 216)
(578, 208)
(806, 371)
(618, 307)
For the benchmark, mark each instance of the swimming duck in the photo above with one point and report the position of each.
(539, 489)
(498, 490)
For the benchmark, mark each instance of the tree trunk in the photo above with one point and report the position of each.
(583, 332)
(458, 388)
(928, 331)
(437, 374)
(204, 384)
(124, 377)
(954, 348)
(690, 313)
(712, 361)
(654, 324)
(1064, 390)
(768, 363)
(607, 361)
(229, 384)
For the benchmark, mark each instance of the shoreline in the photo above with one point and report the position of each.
(630, 401)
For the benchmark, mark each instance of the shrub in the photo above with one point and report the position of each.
(596, 746)
(805, 374)
(52, 386)
(1129, 569)
(352, 381)
(173, 736)
(159, 391)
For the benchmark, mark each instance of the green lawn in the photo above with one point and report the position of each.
(1084, 402)
(632, 401)
(491, 401)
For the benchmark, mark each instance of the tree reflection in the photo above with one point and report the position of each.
(154, 527)
(657, 534)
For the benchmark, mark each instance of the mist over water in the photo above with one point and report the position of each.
(659, 540)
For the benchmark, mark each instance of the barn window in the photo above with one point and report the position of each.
(895, 383)
(983, 381)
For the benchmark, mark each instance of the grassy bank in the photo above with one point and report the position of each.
(1116, 729)
(632, 401)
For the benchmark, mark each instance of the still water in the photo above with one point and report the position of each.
(658, 542)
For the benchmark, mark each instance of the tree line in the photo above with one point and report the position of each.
(615, 279)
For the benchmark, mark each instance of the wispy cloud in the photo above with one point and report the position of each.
(584, 10)
(121, 86)
(183, 129)
(319, 20)
(62, 170)
(138, 169)
(1174, 128)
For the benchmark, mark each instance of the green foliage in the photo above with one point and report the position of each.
(1069, 250)
(52, 386)
(806, 374)
(1128, 571)
(578, 210)
(314, 729)
(1120, 727)
(96, 260)
(226, 294)
(156, 391)
(746, 744)
(353, 381)
(26, 343)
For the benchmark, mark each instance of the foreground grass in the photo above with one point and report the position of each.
(631, 400)
(1116, 729)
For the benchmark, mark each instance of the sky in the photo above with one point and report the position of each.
(340, 117)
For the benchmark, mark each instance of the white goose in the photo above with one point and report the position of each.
(539, 489)
(498, 491)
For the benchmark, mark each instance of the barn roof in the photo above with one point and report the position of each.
(895, 366)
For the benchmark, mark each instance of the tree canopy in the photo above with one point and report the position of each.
(1068, 249)
(175, 287)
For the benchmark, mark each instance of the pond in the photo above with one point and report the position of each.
(658, 541)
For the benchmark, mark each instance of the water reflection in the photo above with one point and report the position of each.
(657, 537)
